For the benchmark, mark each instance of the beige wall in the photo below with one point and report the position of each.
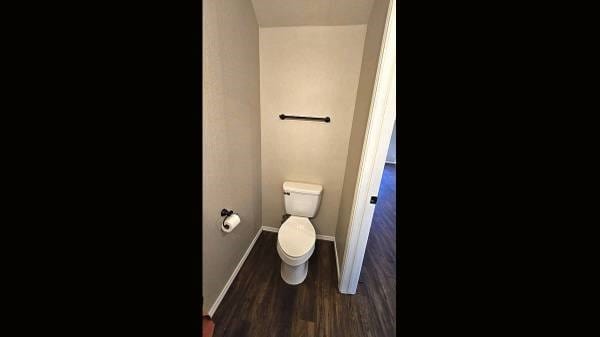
(375, 29)
(231, 137)
(311, 71)
(273, 13)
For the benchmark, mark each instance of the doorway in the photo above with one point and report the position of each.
(378, 274)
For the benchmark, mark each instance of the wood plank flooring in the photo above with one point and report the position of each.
(378, 275)
(260, 304)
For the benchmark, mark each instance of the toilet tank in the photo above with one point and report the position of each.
(301, 199)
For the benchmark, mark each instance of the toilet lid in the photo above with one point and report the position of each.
(296, 236)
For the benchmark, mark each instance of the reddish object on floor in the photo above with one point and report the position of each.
(208, 327)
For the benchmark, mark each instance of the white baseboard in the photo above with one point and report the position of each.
(325, 237)
(319, 236)
(337, 262)
(215, 305)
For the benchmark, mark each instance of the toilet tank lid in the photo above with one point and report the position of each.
(290, 186)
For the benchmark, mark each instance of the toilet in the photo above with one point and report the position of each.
(296, 237)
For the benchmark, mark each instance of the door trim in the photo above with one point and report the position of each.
(377, 137)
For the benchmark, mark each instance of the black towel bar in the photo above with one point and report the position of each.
(322, 119)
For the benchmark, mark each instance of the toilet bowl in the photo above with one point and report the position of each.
(296, 237)
(295, 244)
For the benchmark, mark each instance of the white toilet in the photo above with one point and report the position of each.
(296, 237)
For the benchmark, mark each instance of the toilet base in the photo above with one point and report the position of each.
(294, 275)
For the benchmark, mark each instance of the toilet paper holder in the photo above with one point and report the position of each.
(225, 213)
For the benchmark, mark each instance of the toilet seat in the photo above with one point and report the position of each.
(296, 238)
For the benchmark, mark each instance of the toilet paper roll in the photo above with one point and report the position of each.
(230, 223)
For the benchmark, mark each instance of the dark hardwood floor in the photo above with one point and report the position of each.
(378, 274)
(260, 304)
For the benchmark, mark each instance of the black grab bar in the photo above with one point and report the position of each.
(322, 119)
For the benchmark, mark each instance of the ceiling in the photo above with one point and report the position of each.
(273, 13)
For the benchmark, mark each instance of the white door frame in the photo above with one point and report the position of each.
(377, 139)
